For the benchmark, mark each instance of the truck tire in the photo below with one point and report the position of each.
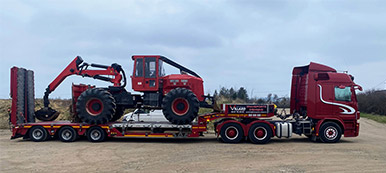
(231, 133)
(260, 133)
(38, 134)
(180, 106)
(95, 106)
(118, 113)
(330, 132)
(96, 134)
(20, 95)
(67, 134)
(30, 96)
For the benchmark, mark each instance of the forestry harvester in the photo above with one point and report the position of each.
(178, 95)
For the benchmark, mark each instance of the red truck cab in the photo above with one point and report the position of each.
(323, 95)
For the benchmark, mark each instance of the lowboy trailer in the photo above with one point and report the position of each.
(323, 107)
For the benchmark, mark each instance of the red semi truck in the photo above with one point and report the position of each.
(323, 106)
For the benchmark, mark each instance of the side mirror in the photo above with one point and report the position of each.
(358, 87)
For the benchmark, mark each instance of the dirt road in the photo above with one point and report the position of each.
(366, 153)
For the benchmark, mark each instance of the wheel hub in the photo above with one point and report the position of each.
(94, 106)
(260, 133)
(331, 133)
(231, 132)
(180, 106)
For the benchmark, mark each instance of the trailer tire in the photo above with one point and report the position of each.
(67, 134)
(118, 113)
(180, 106)
(96, 134)
(231, 133)
(95, 106)
(260, 133)
(38, 134)
(330, 132)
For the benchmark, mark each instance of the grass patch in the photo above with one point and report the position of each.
(377, 118)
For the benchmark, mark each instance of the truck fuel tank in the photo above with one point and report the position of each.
(283, 129)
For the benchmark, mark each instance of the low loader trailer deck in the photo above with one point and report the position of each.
(68, 131)
(323, 107)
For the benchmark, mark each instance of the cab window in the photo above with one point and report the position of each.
(139, 68)
(150, 67)
(161, 69)
(343, 94)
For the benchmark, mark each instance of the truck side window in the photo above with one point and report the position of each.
(343, 94)
(150, 68)
(139, 68)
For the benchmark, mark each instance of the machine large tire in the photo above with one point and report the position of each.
(21, 95)
(118, 113)
(180, 106)
(330, 132)
(30, 96)
(95, 106)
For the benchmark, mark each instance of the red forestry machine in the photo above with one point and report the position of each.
(178, 95)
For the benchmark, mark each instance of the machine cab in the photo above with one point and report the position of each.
(147, 73)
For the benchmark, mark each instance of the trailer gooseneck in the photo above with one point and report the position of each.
(323, 106)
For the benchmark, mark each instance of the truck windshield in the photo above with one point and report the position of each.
(343, 94)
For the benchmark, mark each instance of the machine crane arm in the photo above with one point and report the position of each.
(79, 67)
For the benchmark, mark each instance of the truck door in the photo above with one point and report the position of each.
(325, 98)
(151, 74)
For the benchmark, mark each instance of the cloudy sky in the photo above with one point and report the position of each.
(251, 44)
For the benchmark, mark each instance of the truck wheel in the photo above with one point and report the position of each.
(260, 133)
(67, 134)
(96, 134)
(231, 133)
(95, 106)
(180, 106)
(330, 132)
(118, 113)
(38, 134)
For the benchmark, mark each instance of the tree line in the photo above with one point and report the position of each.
(372, 101)
(240, 95)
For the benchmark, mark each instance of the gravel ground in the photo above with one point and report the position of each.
(366, 153)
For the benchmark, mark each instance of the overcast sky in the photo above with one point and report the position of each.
(251, 44)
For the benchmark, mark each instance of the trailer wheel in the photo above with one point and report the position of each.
(231, 133)
(38, 134)
(118, 113)
(67, 134)
(330, 132)
(95, 106)
(96, 134)
(260, 133)
(180, 106)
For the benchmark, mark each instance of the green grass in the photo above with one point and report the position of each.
(377, 118)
